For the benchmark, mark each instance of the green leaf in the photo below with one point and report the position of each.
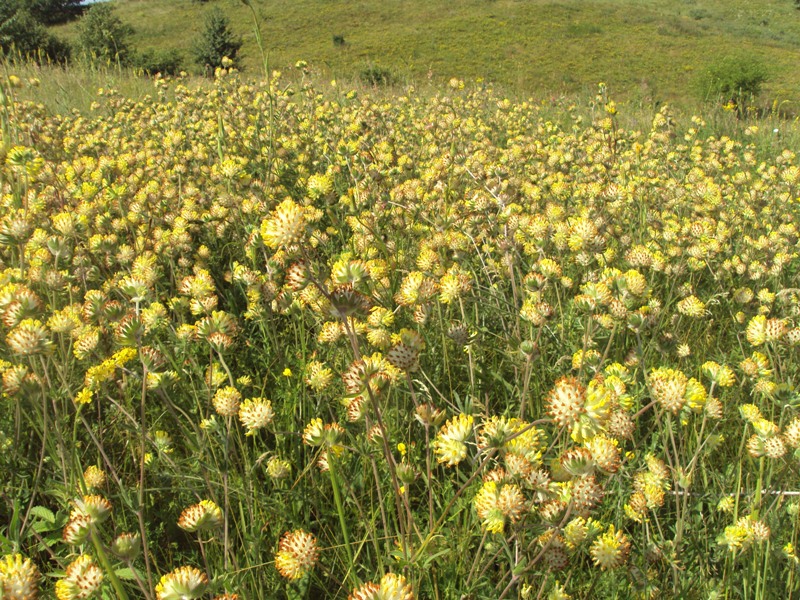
(127, 574)
(43, 513)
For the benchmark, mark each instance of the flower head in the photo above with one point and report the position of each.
(204, 516)
(610, 550)
(297, 554)
(184, 583)
(19, 578)
(82, 579)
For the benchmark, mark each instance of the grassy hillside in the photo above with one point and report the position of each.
(645, 50)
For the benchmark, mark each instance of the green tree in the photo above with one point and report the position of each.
(216, 42)
(103, 35)
(736, 79)
(21, 34)
(53, 11)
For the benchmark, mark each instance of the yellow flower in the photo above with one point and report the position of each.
(84, 396)
(610, 550)
(449, 444)
(297, 554)
(19, 578)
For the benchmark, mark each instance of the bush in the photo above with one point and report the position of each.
(53, 11)
(216, 42)
(21, 34)
(166, 62)
(103, 36)
(734, 79)
(376, 76)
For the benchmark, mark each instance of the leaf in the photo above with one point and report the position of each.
(127, 574)
(43, 513)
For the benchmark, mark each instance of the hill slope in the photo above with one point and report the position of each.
(653, 50)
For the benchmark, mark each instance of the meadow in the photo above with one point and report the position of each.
(646, 51)
(294, 338)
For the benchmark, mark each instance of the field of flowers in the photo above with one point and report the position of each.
(260, 341)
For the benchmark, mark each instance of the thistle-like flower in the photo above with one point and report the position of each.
(19, 578)
(610, 550)
(226, 401)
(255, 413)
(97, 508)
(285, 226)
(127, 546)
(94, 477)
(184, 583)
(297, 554)
(668, 387)
(565, 401)
(278, 468)
(391, 587)
(449, 445)
(203, 516)
(83, 578)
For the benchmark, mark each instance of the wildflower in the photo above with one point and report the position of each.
(29, 337)
(97, 508)
(82, 579)
(586, 494)
(449, 445)
(429, 415)
(226, 401)
(19, 578)
(668, 387)
(558, 593)
(317, 375)
(204, 516)
(297, 554)
(391, 587)
(127, 546)
(494, 503)
(77, 529)
(721, 375)
(278, 468)
(691, 306)
(565, 401)
(285, 226)
(184, 583)
(255, 413)
(746, 531)
(610, 550)
(605, 452)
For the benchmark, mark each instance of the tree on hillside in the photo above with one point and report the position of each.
(216, 42)
(52, 11)
(22, 35)
(103, 36)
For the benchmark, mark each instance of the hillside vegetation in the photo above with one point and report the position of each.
(644, 50)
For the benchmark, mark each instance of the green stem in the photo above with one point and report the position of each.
(101, 554)
(337, 497)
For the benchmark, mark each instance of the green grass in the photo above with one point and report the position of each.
(646, 51)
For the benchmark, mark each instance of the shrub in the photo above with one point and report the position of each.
(734, 79)
(216, 42)
(53, 11)
(21, 34)
(103, 35)
(376, 76)
(166, 62)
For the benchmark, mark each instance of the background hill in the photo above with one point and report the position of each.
(644, 49)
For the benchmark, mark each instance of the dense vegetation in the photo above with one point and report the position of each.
(647, 51)
(260, 341)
